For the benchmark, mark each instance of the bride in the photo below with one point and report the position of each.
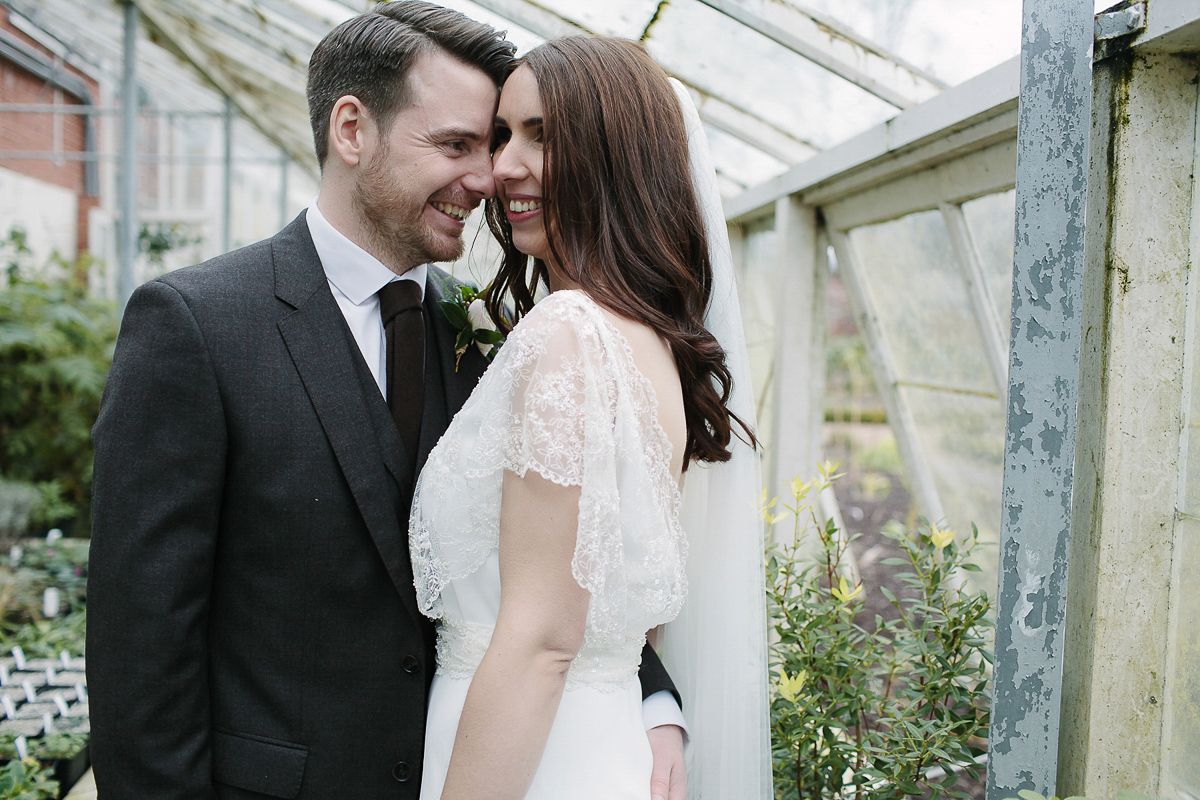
(548, 531)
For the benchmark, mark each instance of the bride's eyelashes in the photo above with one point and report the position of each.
(500, 136)
(531, 131)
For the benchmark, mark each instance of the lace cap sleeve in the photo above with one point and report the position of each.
(561, 399)
(558, 397)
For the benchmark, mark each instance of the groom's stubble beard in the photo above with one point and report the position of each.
(395, 225)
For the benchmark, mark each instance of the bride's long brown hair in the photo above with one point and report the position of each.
(621, 216)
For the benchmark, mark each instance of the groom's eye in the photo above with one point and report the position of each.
(457, 145)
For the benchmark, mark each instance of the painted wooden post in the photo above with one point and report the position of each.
(1053, 129)
(1126, 707)
(799, 383)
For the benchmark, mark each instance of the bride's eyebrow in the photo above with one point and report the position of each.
(531, 122)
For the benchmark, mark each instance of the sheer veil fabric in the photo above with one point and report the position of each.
(716, 649)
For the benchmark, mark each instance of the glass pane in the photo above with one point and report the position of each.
(716, 54)
(954, 40)
(962, 439)
(917, 288)
(991, 221)
(739, 162)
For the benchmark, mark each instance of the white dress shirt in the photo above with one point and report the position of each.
(355, 277)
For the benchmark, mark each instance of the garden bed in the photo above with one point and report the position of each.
(44, 723)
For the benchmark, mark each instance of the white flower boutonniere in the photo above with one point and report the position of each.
(465, 311)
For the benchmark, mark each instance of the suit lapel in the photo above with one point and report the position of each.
(323, 350)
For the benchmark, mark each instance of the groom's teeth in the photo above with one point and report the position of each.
(518, 207)
(457, 212)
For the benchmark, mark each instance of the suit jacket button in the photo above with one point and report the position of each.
(402, 771)
(410, 664)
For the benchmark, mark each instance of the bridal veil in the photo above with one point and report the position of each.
(716, 649)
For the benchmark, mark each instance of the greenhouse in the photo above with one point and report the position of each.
(963, 235)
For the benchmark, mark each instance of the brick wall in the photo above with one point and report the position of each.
(37, 132)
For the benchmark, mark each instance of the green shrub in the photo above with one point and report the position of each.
(56, 345)
(860, 713)
(26, 780)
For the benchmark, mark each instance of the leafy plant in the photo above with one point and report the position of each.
(860, 713)
(25, 779)
(56, 344)
(44, 748)
(156, 239)
(46, 638)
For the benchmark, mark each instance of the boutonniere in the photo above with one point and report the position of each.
(465, 311)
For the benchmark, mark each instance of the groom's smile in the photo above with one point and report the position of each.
(454, 211)
(432, 162)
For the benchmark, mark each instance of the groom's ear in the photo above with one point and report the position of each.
(352, 131)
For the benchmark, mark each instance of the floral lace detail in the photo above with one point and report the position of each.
(563, 398)
(462, 645)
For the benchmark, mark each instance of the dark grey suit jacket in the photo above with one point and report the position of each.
(252, 623)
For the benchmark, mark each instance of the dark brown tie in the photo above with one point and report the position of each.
(404, 329)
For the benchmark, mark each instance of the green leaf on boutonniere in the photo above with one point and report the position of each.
(488, 336)
(456, 315)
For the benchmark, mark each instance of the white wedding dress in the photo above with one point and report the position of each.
(563, 398)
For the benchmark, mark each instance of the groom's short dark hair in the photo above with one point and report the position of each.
(370, 56)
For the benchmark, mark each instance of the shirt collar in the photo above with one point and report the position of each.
(355, 272)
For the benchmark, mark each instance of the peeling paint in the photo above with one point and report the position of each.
(1052, 161)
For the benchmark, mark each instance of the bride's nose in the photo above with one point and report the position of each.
(507, 166)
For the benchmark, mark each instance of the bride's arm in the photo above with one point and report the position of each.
(515, 693)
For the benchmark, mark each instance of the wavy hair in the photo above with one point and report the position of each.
(371, 55)
(621, 216)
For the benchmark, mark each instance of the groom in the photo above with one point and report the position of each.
(253, 629)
